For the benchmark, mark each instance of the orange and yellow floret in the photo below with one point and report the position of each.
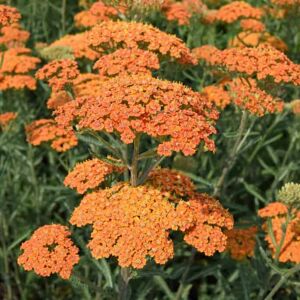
(141, 104)
(6, 118)
(277, 212)
(49, 250)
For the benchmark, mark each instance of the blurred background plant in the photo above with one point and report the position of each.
(31, 179)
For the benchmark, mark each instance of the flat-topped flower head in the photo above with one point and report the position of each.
(263, 62)
(9, 15)
(172, 183)
(129, 105)
(218, 95)
(13, 36)
(252, 25)
(96, 14)
(211, 218)
(78, 43)
(241, 242)
(127, 61)
(49, 250)
(46, 130)
(16, 65)
(112, 35)
(131, 223)
(277, 211)
(6, 119)
(89, 174)
(59, 73)
(234, 11)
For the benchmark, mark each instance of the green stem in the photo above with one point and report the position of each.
(234, 153)
(282, 280)
(134, 162)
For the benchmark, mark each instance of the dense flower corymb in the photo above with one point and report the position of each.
(252, 25)
(89, 174)
(110, 35)
(49, 250)
(59, 73)
(141, 104)
(241, 242)
(234, 11)
(128, 61)
(263, 62)
(8, 15)
(210, 218)
(131, 223)
(46, 130)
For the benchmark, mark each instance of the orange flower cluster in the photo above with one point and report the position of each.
(9, 15)
(262, 62)
(45, 130)
(234, 11)
(79, 45)
(133, 35)
(58, 98)
(253, 39)
(131, 223)
(248, 96)
(13, 36)
(98, 13)
(174, 185)
(241, 242)
(218, 95)
(291, 245)
(49, 250)
(252, 25)
(6, 118)
(59, 73)
(139, 103)
(15, 66)
(89, 174)
(183, 11)
(206, 234)
(127, 61)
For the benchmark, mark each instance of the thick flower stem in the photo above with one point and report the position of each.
(233, 156)
(134, 162)
(124, 284)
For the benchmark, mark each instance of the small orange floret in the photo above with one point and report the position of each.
(49, 251)
(252, 25)
(236, 10)
(210, 218)
(131, 223)
(241, 242)
(89, 174)
(172, 183)
(9, 15)
(135, 35)
(127, 61)
(59, 73)
(218, 95)
(46, 130)
(139, 103)
(6, 118)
